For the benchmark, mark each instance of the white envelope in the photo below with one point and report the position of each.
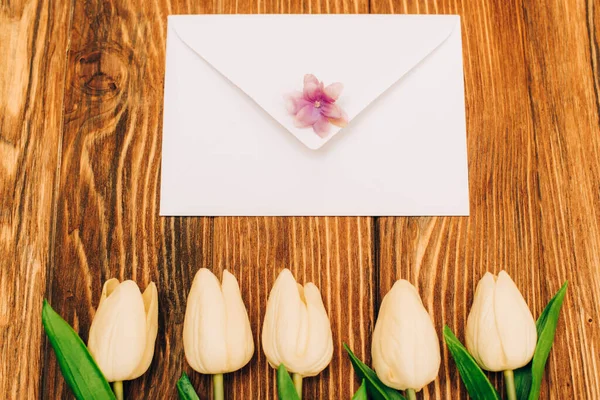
(230, 147)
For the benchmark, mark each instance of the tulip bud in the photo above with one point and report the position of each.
(216, 331)
(501, 333)
(124, 329)
(405, 346)
(296, 331)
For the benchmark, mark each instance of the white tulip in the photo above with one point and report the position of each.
(216, 331)
(405, 346)
(123, 331)
(501, 333)
(296, 330)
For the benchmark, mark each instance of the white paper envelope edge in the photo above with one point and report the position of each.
(227, 148)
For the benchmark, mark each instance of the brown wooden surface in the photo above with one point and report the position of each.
(80, 139)
(32, 82)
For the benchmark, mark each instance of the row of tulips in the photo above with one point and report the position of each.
(217, 337)
(501, 335)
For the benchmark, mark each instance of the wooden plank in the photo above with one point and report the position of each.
(334, 253)
(31, 94)
(561, 55)
(531, 76)
(108, 197)
(290, 7)
(107, 214)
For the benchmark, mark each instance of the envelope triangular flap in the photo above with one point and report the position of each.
(267, 56)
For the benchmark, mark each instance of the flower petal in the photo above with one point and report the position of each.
(307, 116)
(108, 287)
(322, 126)
(341, 122)
(333, 91)
(240, 344)
(117, 337)
(331, 110)
(341, 119)
(515, 323)
(285, 322)
(312, 91)
(150, 297)
(296, 330)
(310, 78)
(205, 324)
(482, 339)
(405, 346)
(294, 102)
(318, 348)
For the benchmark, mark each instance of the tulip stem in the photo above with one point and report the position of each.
(218, 387)
(118, 389)
(509, 382)
(410, 394)
(298, 384)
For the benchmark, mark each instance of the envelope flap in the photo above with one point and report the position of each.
(267, 56)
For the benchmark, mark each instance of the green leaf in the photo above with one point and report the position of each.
(375, 387)
(528, 379)
(185, 389)
(285, 385)
(361, 393)
(523, 380)
(76, 363)
(475, 380)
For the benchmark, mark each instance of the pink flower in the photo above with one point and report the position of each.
(316, 107)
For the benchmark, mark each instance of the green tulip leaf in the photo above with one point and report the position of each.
(285, 386)
(475, 380)
(375, 387)
(528, 380)
(523, 379)
(361, 393)
(76, 363)
(185, 389)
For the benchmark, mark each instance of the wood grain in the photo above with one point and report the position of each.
(31, 94)
(531, 77)
(107, 207)
(333, 253)
(80, 142)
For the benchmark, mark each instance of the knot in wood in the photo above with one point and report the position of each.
(101, 72)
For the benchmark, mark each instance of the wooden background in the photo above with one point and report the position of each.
(81, 86)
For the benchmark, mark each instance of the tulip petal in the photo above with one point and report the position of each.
(515, 323)
(322, 126)
(307, 116)
(284, 319)
(150, 298)
(296, 330)
(204, 326)
(333, 91)
(240, 344)
(405, 346)
(482, 339)
(117, 337)
(107, 289)
(318, 351)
